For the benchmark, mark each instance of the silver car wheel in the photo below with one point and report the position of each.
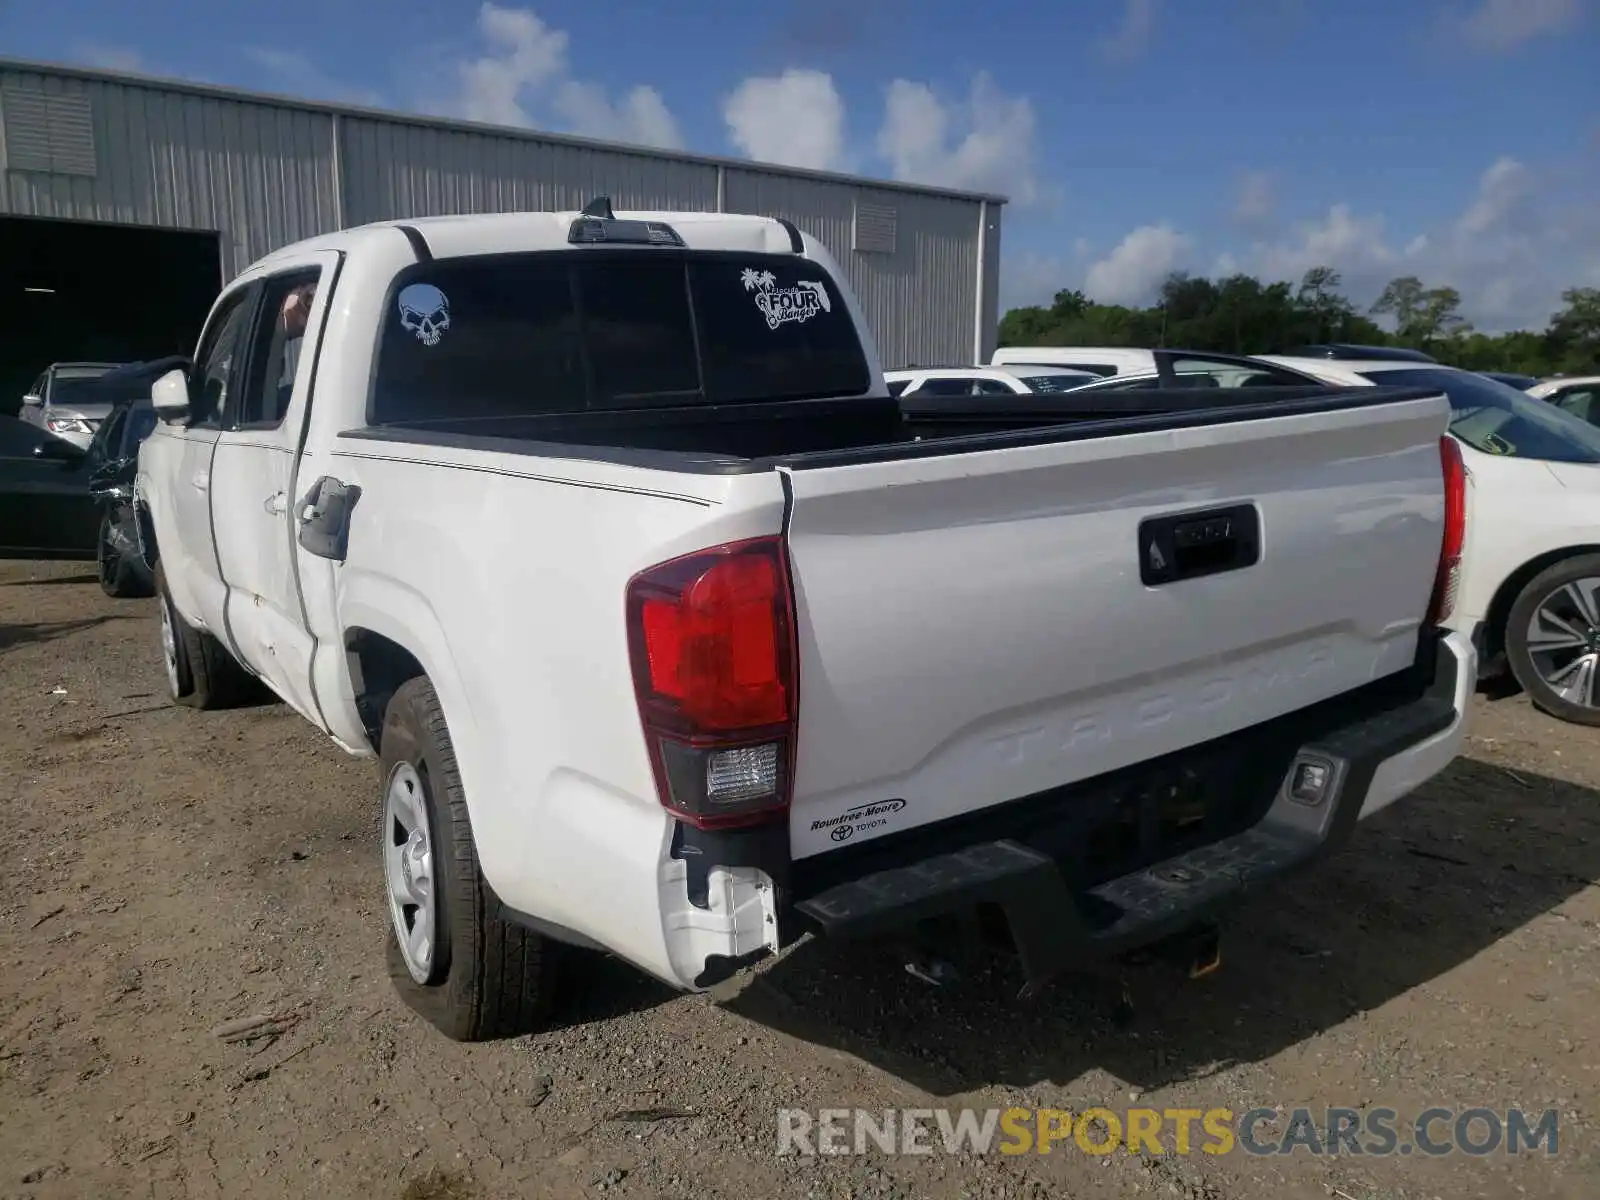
(169, 646)
(408, 870)
(1564, 641)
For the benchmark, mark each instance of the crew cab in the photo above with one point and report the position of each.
(673, 635)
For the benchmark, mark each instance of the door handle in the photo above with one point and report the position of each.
(201, 480)
(276, 504)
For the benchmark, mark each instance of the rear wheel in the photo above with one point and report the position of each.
(119, 577)
(200, 672)
(1553, 639)
(453, 960)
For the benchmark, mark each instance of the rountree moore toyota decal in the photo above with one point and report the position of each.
(781, 305)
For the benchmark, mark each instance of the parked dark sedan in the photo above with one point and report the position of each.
(113, 461)
(60, 502)
(46, 510)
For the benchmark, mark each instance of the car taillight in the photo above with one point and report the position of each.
(1448, 579)
(711, 638)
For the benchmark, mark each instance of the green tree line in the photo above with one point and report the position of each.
(1242, 315)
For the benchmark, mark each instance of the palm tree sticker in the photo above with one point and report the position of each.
(755, 280)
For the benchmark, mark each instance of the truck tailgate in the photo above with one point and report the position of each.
(977, 627)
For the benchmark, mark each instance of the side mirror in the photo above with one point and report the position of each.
(57, 450)
(33, 400)
(169, 396)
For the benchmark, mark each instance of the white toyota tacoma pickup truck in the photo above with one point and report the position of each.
(674, 634)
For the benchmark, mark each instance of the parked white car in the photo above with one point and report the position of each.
(983, 381)
(1576, 394)
(1530, 580)
(1191, 369)
(62, 402)
(672, 636)
(1095, 360)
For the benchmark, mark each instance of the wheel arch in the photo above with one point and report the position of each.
(1494, 641)
(379, 665)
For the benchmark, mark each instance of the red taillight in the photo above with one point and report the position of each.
(1448, 578)
(711, 637)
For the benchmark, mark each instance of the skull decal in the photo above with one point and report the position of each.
(425, 311)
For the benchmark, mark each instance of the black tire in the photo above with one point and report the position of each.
(119, 578)
(487, 978)
(204, 674)
(1518, 655)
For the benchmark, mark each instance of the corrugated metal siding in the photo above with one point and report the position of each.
(393, 169)
(263, 175)
(260, 176)
(920, 300)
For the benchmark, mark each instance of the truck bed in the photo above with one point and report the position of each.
(813, 434)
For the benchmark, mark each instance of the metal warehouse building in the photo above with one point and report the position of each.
(125, 200)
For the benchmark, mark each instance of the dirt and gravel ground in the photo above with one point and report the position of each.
(167, 871)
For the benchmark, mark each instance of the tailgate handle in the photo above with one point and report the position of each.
(1193, 544)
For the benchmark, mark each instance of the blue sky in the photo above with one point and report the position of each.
(1458, 140)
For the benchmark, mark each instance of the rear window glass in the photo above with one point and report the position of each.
(1495, 418)
(527, 335)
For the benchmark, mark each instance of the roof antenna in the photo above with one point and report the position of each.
(599, 207)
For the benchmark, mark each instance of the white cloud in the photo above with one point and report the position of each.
(1255, 197)
(1356, 245)
(1133, 35)
(1503, 199)
(1505, 24)
(1519, 239)
(522, 78)
(796, 118)
(1133, 271)
(112, 58)
(985, 142)
(297, 73)
(525, 55)
(641, 117)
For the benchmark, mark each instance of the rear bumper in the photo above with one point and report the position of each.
(1056, 922)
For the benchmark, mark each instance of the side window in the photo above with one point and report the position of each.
(1581, 402)
(214, 365)
(993, 387)
(1125, 383)
(275, 350)
(1198, 371)
(945, 387)
(110, 433)
(1093, 368)
(141, 424)
(896, 386)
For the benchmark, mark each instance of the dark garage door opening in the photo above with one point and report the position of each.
(79, 291)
